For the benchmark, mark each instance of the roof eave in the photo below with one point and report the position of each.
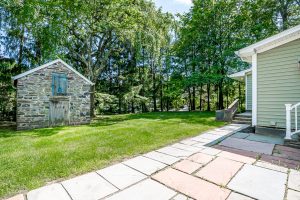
(269, 43)
(48, 64)
(240, 75)
(245, 55)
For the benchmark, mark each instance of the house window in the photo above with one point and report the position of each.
(59, 84)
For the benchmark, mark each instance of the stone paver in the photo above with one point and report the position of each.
(187, 147)
(240, 135)
(219, 132)
(237, 157)
(180, 197)
(211, 151)
(210, 136)
(175, 152)
(248, 145)
(201, 158)
(121, 176)
(161, 157)
(145, 165)
(293, 195)
(90, 186)
(205, 173)
(200, 145)
(271, 166)
(187, 166)
(17, 197)
(145, 190)
(190, 185)
(200, 139)
(49, 192)
(234, 127)
(259, 183)
(188, 142)
(294, 180)
(274, 159)
(220, 171)
(236, 196)
(265, 139)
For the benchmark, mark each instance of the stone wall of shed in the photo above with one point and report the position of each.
(34, 92)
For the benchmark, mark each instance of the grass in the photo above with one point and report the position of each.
(30, 159)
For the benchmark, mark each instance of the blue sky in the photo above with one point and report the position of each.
(174, 6)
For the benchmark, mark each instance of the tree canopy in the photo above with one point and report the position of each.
(140, 58)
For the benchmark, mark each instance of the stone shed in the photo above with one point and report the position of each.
(53, 94)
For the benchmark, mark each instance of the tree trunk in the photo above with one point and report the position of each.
(194, 99)
(92, 105)
(120, 104)
(20, 57)
(132, 107)
(193, 106)
(240, 103)
(168, 108)
(154, 103)
(38, 50)
(200, 99)
(161, 98)
(283, 10)
(142, 81)
(154, 88)
(190, 99)
(227, 98)
(208, 97)
(221, 98)
(119, 91)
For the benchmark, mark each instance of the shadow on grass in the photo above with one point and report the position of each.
(43, 132)
(184, 117)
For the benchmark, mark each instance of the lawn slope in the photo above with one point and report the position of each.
(30, 159)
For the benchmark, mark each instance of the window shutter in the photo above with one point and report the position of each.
(63, 85)
(54, 84)
(59, 84)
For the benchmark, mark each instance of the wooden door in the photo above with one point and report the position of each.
(59, 114)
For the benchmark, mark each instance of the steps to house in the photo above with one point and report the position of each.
(241, 122)
(248, 116)
(292, 143)
(243, 118)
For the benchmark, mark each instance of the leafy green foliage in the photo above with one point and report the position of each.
(106, 103)
(134, 97)
(7, 92)
(123, 44)
(209, 35)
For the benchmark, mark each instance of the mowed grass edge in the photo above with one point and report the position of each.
(30, 159)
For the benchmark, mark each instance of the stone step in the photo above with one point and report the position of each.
(242, 119)
(241, 122)
(292, 143)
(243, 115)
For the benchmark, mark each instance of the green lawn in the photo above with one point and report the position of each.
(30, 159)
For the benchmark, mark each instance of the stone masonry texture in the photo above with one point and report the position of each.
(34, 94)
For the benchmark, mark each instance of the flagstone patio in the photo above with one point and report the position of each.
(190, 169)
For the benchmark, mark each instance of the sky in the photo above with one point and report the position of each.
(174, 6)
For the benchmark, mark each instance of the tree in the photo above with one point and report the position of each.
(129, 47)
